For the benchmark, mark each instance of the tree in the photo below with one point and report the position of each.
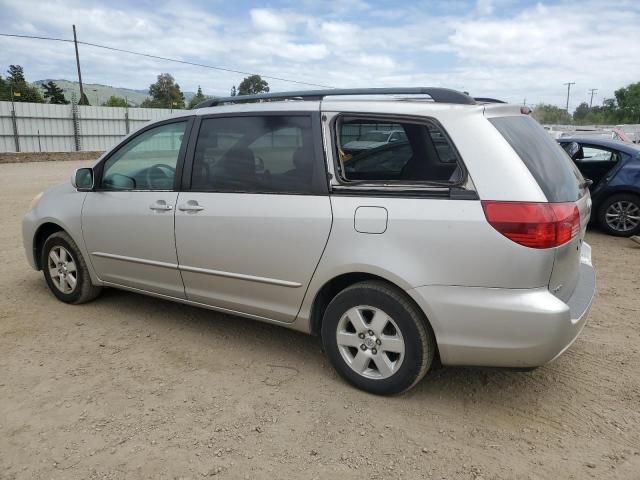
(581, 115)
(16, 74)
(253, 84)
(165, 93)
(234, 92)
(628, 102)
(17, 84)
(545, 113)
(197, 98)
(114, 101)
(54, 93)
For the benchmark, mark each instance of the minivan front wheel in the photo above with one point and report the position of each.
(65, 270)
(377, 339)
(620, 215)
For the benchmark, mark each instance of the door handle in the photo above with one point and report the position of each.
(190, 206)
(161, 205)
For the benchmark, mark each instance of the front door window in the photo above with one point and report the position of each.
(147, 162)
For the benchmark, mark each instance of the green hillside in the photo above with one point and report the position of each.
(97, 93)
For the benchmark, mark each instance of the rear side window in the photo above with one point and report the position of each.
(378, 150)
(254, 154)
(552, 168)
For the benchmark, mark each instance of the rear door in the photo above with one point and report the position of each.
(255, 215)
(596, 163)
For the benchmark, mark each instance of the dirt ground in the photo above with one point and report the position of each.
(47, 157)
(134, 387)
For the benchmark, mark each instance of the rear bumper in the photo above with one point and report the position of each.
(506, 327)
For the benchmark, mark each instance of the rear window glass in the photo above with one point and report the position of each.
(552, 168)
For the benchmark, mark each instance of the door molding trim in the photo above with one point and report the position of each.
(142, 261)
(204, 271)
(241, 276)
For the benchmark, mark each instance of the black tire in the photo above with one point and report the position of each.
(83, 291)
(418, 338)
(625, 199)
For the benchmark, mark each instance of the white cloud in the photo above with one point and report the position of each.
(264, 19)
(376, 62)
(484, 7)
(542, 47)
(489, 47)
(278, 45)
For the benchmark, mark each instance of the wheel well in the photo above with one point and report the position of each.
(613, 193)
(44, 231)
(330, 290)
(339, 283)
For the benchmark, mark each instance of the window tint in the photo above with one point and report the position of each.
(147, 162)
(377, 150)
(552, 168)
(269, 153)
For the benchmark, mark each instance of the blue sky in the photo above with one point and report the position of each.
(504, 48)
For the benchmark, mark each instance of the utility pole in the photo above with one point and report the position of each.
(592, 91)
(83, 98)
(568, 84)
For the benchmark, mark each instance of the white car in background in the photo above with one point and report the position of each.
(376, 138)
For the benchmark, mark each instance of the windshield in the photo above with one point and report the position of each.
(375, 137)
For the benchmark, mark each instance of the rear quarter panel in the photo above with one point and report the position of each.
(427, 242)
(625, 179)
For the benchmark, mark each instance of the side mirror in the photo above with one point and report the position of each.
(82, 179)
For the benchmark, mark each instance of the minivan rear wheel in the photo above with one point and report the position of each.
(65, 270)
(377, 339)
(619, 215)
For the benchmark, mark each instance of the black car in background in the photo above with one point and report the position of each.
(614, 168)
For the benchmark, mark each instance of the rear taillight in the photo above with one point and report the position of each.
(535, 225)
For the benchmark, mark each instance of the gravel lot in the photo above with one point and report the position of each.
(134, 387)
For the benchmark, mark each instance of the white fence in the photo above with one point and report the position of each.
(41, 127)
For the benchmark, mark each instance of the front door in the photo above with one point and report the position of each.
(251, 228)
(128, 221)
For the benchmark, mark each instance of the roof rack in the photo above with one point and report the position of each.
(440, 95)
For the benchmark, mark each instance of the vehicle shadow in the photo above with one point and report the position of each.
(170, 320)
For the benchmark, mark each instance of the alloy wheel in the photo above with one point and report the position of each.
(623, 216)
(62, 269)
(370, 342)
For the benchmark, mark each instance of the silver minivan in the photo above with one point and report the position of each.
(460, 242)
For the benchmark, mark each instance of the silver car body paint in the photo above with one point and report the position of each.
(489, 300)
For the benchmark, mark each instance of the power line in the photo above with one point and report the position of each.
(167, 59)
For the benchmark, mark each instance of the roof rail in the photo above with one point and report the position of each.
(440, 95)
(488, 100)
